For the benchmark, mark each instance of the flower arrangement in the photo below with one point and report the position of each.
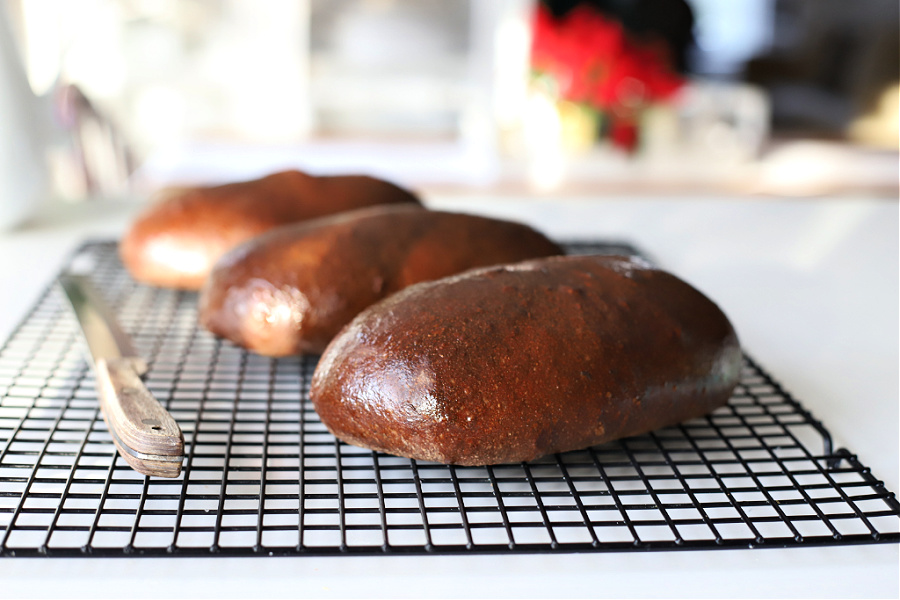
(588, 59)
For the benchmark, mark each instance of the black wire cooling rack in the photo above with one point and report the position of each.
(263, 476)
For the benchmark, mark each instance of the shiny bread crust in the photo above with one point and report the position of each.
(510, 363)
(291, 290)
(176, 241)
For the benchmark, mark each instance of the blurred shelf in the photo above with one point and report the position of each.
(787, 167)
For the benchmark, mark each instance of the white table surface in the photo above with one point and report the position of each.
(812, 288)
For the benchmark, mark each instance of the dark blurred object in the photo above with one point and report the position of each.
(99, 162)
(830, 64)
(651, 20)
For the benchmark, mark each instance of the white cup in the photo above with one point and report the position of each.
(24, 181)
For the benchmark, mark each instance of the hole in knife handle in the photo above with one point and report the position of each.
(155, 425)
(143, 427)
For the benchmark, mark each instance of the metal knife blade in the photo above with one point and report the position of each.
(145, 434)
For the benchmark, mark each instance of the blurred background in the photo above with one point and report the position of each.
(772, 97)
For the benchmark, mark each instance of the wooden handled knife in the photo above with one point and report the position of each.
(145, 434)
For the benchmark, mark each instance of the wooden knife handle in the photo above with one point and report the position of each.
(146, 435)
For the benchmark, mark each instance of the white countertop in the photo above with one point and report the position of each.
(812, 288)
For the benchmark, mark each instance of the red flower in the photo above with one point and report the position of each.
(624, 134)
(592, 60)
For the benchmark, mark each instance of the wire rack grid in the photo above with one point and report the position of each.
(263, 476)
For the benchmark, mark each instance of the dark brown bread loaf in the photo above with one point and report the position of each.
(176, 241)
(510, 363)
(291, 290)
